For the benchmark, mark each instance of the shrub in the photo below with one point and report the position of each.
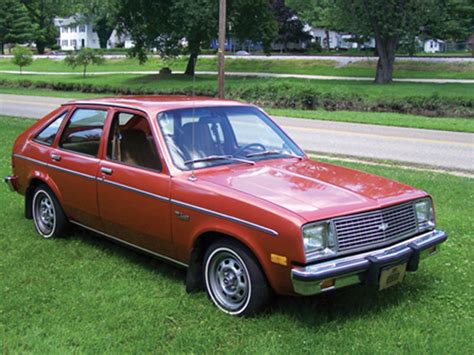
(84, 57)
(22, 57)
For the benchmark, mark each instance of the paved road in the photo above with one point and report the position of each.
(252, 74)
(440, 149)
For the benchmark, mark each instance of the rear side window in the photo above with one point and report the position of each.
(84, 131)
(131, 142)
(47, 135)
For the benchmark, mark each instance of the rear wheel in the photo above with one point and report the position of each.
(234, 280)
(48, 216)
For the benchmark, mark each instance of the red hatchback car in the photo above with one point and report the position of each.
(217, 187)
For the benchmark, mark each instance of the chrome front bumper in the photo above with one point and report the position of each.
(10, 181)
(365, 267)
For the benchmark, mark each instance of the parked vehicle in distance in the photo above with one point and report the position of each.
(217, 187)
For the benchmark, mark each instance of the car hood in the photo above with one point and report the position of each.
(313, 190)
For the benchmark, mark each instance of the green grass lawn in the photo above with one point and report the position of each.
(208, 83)
(379, 118)
(403, 69)
(84, 294)
(382, 118)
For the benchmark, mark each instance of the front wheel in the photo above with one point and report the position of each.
(48, 216)
(234, 280)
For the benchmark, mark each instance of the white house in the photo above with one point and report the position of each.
(434, 46)
(74, 34)
(347, 41)
(320, 36)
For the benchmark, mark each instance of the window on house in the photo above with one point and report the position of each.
(64, 43)
(82, 28)
(73, 43)
(84, 131)
(47, 135)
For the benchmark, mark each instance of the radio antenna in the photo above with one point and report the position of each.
(193, 176)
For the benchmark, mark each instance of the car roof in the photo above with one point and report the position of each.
(155, 104)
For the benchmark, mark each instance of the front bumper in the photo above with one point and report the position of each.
(365, 267)
(11, 182)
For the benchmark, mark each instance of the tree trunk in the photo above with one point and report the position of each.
(40, 47)
(84, 71)
(2, 49)
(191, 67)
(386, 50)
(328, 44)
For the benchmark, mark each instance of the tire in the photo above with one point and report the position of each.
(234, 280)
(48, 216)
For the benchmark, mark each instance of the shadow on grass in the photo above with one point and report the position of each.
(333, 307)
(152, 264)
(352, 302)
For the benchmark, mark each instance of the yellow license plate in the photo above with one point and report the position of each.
(392, 276)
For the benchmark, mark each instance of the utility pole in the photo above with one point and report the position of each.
(221, 57)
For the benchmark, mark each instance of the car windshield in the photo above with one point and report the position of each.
(203, 137)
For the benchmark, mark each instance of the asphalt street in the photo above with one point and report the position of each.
(437, 149)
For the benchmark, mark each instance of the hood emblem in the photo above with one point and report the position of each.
(383, 227)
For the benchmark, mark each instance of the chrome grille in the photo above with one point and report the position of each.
(362, 230)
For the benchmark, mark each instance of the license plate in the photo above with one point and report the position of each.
(392, 276)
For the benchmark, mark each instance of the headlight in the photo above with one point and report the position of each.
(319, 238)
(425, 214)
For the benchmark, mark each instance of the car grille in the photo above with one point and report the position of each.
(364, 229)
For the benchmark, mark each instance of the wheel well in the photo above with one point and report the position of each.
(202, 243)
(34, 183)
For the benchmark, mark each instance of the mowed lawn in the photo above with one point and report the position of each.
(366, 68)
(84, 294)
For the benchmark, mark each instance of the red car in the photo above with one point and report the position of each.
(217, 187)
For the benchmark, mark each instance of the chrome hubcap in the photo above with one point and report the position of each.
(44, 213)
(228, 280)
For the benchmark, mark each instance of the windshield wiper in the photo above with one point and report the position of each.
(219, 157)
(272, 152)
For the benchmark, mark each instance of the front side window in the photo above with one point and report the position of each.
(47, 135)
(131, 142)
(211, 136)
(84, 131)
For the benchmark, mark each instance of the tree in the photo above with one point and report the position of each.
(22, 57)
(387, 20)
(159, 25)
(15, 26)
(290, 27)
(42, 14)
(318, 14)
(454, 21)
(200, 26)
(261, 26)
(84, 57)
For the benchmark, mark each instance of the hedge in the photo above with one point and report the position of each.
(284, 95)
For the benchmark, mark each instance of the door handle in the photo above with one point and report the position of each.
(55, 157)
(107, 171)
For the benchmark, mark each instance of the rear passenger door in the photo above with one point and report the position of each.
(133, 188)
(74, 164)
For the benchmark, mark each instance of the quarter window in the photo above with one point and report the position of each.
(84, 131)
(47, 135)
(131, 142)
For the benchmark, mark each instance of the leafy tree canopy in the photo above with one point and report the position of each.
(22, 57)
(15, 24)
(84, 57)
